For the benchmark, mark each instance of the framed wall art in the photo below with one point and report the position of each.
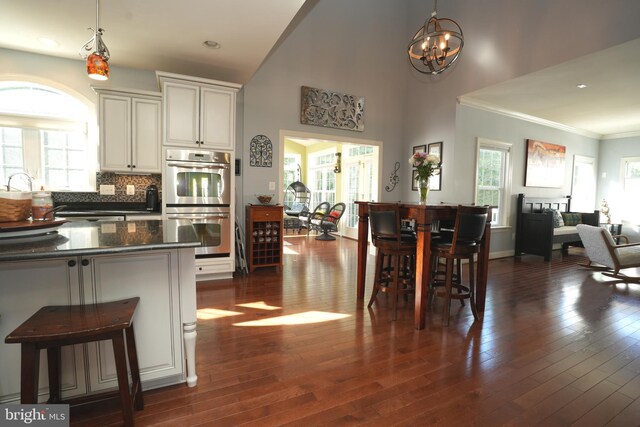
(545, 164)
(414, 180)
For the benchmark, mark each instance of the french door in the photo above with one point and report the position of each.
(360, 182)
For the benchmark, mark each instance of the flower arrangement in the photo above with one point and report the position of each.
(427, 165)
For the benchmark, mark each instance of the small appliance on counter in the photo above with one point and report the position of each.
(153, 201)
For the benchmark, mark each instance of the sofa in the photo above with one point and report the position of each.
(542, 222)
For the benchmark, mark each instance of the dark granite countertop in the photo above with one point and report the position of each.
(98, 238)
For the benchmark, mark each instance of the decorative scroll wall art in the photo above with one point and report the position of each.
(393, 179)
(261, 152)
(545, 164)
(322, 107)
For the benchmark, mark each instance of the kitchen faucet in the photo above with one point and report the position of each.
(20, 173)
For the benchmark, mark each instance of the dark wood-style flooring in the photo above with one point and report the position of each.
(557, 347)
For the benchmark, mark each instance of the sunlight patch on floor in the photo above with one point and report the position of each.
(261, 305)
(288, 251)
(214, 313)
(305, 318)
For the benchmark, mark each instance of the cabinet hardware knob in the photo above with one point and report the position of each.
(85, 262)
(133, 166)
(128, 166)
(71, 263)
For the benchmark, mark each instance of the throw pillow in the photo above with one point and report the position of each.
(572, 218)
(557, 218)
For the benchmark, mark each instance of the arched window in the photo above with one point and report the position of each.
(43, 132)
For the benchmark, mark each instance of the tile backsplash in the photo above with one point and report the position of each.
(120, 181)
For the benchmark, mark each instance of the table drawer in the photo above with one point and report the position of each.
(266, 214)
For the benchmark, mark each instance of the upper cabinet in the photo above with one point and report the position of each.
(198, 112)
(130, 132)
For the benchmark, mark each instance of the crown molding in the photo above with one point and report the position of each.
(526, 117)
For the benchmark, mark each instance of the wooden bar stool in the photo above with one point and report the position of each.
(54, 326)
(465, 244)
(396, 252)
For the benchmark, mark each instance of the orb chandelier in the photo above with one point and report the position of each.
(96, 52)
(436, 45)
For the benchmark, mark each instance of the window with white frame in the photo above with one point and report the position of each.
(322, 178)
(43, 132)
(630, 167)
(493, 179)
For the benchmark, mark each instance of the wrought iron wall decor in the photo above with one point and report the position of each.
(321, 107)
(394, 178)
(261, 152)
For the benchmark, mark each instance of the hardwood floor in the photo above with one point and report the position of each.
(556, 348)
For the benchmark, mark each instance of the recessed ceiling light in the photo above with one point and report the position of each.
(581, 86)
(48, 42)
(211, 44)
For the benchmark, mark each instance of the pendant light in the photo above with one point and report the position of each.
(436, 45)
(96, 52)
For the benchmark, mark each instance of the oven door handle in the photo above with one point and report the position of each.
(190, 165)
(206, 216)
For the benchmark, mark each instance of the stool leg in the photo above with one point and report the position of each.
(30, 370)
(395, 285)
(472, 289)
(120, 355)
(447, 301)
(53, 364)
(377, 277)
(138, 403)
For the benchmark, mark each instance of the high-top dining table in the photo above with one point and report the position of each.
(425, 217)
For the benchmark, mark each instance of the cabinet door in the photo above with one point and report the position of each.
(154, 278)
(181, 114)
(115, 133)
(146, 136)
(217, 118)
(25, 287)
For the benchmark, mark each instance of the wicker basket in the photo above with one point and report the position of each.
(14, 209)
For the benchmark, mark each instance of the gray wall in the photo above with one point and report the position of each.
(611, 151)
(503, 39)
(472, 123)
(355, 47)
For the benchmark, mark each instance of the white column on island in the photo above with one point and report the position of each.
(189, 311)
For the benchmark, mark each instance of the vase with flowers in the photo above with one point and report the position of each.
(427, 165)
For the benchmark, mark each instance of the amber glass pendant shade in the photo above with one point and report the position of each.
(97, 67)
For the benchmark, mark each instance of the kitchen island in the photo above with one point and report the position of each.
(90, 262)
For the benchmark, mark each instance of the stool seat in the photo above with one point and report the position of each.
(72, 322)
(54, 326)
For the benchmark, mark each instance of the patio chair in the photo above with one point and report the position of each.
(603, 251)
(329, 222)
(317, 214)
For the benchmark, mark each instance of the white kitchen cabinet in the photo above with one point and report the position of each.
(155, 275)
(164, 322)
(130, 132)
(25, 287)
(198, 113)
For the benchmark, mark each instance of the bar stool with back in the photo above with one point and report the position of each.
(465, 244)
(395, 249)
(54, 326)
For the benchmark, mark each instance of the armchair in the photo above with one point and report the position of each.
(603, 251)
(317, 214)
(329, 222)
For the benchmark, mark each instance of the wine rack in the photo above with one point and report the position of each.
(264, 236)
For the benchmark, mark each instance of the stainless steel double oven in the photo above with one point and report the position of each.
(197, 188)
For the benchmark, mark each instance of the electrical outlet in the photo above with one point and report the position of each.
(272, 185)
(131, 190)
(107, 190)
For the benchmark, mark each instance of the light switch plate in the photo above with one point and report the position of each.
(131, 190)
(272, 185)
(107, 190)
